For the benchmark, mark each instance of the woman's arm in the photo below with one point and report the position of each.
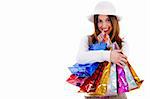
(125, 48)
(85, 55)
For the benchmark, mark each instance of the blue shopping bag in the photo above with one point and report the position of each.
(84, 70)
(98, 46)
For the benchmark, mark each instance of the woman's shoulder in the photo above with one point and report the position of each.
(85, 38)
(124, 41)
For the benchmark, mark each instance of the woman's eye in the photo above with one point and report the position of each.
(108, 20)
(99, 21)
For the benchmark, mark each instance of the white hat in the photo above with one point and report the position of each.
(103, 8)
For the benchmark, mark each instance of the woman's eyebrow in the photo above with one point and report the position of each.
(107, 18)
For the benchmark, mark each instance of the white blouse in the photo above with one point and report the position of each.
(84, 55)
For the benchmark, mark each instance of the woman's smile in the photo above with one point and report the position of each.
(106, 30)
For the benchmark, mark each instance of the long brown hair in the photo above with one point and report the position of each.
(114, 34)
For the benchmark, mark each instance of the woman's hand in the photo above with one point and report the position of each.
(118, 58)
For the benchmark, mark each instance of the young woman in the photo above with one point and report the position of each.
(105, 21)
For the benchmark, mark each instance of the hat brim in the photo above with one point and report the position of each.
(91, 17)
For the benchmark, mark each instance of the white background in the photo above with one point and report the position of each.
(39, 39)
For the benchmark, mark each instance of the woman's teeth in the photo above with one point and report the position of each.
(105, 30)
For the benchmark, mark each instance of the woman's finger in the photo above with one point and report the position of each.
(118, 51)
(124, 60)
(123, 56)
(103, 32)
(99, 38)
(120, 65)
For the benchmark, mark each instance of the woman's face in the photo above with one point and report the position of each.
(104, 24)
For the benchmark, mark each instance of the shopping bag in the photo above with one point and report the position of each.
(84, 70)
(122, 82)
(112, 84)
(92, 82)
(102, 87)
(135, 76)
(75, 80)
(98, 46)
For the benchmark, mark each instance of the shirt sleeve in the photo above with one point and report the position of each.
(125, 48)
(84, 55)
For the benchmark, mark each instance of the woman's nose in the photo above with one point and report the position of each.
(104, 25)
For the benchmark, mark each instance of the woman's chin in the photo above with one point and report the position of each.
(107, 32)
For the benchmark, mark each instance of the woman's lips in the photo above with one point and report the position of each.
(105, 30)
